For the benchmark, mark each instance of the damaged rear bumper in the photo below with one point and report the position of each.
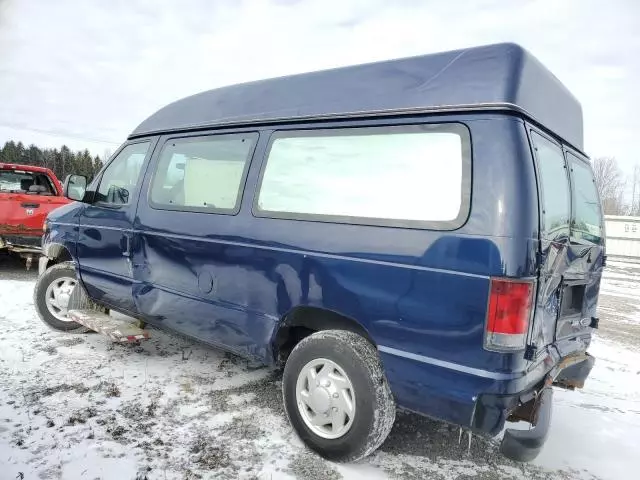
(571, 372)
(532, 406)
(525, 445)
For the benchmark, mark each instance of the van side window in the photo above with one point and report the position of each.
(554, 187)
(587, 221)
(122, 175)
(202, 173)
(383, 175)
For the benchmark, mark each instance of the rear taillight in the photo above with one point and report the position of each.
(508, 314)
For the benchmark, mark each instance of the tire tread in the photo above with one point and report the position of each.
(38, 300)
(366, 354)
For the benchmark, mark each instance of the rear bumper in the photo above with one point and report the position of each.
(572, 371)
(451, 393)
(492, 411)
(525, 445)
(532, 406)
(22, 240)
(21, 243)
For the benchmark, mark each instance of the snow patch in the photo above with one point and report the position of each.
(77, 406)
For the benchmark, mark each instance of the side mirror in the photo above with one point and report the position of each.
(75, 187)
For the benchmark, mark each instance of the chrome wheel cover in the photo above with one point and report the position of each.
(325, 398)
(57, 297)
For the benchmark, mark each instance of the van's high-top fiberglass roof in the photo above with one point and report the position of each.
(495, 77)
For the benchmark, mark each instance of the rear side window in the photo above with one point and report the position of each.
(554, 187)
(202, 174)
(402, 176)
(587, 222)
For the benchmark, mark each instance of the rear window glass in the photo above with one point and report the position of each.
(554, 186)
(13, 181)
(374, 175)
(586, 203)
(19, 181)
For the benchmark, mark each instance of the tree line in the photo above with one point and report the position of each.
(62, 161)
(613, 187)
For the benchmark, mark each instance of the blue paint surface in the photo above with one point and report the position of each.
(229, 280)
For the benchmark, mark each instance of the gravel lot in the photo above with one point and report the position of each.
(76, 406)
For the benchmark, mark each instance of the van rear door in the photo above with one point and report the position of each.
(582, 278)
(571, 248)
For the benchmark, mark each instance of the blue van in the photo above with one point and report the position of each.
(422, 234)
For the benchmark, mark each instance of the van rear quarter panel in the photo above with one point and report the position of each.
(422, 292)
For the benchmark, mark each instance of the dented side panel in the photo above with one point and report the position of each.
(567, 270)
(230, 279)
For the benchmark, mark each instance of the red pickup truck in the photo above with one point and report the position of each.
(27, 195)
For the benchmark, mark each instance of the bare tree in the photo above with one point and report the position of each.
(635, 192)
(611, 184)
(106, 155)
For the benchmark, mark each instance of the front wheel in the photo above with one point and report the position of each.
(51, 297)
(336, 395)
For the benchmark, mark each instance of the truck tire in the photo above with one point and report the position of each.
(51, 296)
(336, 395)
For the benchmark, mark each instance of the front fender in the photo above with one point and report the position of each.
(62, 230)
(52, 250)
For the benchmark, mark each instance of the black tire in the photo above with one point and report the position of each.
(60, 270)
(375, 409)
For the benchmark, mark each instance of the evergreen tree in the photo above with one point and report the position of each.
(67, 162)
(21, 153)
(35, 156)
(63, 161)
(97, 164)
(10, 152)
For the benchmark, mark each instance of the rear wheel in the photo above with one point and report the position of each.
(51, 297)
(337, 396)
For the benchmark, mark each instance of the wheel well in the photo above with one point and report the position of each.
(303, 321)
(58, 254)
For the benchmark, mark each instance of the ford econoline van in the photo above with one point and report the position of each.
(422, 234)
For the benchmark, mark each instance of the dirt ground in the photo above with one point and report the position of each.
(77, 406)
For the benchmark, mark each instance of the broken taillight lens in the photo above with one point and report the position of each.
(508, 314)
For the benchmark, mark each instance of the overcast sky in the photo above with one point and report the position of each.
(87, 72)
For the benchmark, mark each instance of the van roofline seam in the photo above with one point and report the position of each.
(251, 122)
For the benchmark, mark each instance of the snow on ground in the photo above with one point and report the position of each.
(598, 428)
(79, 407)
